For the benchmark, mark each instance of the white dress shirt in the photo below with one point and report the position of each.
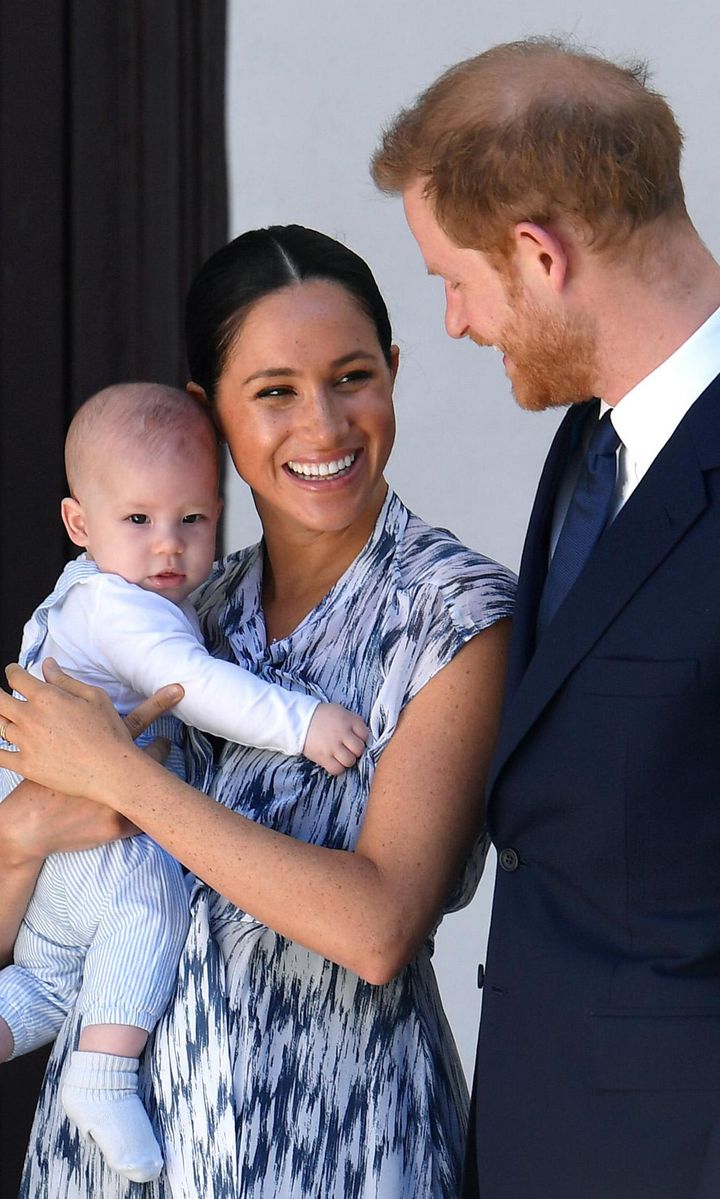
(648, 415)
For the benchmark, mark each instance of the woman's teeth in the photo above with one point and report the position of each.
(320, 470)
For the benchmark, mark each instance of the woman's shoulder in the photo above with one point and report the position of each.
(429, 556)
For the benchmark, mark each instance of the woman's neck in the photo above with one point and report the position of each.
(302, 565)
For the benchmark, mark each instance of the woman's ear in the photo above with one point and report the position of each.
(394, 360)
(73, 517)
(199, 393)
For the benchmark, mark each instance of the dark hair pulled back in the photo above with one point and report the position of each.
(255, 265)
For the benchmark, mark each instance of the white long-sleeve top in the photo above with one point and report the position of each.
(113, 634)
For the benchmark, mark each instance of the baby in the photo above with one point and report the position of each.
(108, 924)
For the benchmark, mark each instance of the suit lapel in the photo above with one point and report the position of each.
(533, 567)
(668, 500)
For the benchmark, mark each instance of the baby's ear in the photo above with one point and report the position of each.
(73, 518)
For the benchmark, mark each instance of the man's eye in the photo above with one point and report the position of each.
(138, 518)
(192, 518)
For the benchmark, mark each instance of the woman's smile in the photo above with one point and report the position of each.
(305, 404)
(324, 471)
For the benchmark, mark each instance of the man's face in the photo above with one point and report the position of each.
(548, 353)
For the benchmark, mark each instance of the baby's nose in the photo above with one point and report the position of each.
(170, 541)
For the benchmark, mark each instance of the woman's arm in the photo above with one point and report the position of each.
(35, 822)
(370, 909)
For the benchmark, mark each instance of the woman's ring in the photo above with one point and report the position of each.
(3, 731)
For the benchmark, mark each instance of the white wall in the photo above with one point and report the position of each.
(310, 83)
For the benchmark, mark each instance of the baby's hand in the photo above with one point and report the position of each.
(335, 738)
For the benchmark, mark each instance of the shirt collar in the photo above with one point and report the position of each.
(647, 416)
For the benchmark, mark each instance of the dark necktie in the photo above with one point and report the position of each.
(585, 520)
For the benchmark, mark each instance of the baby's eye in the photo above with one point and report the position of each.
(138, 518)
(192, 518)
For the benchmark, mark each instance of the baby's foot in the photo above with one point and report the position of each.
(99, 1095)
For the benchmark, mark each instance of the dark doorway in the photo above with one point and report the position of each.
(112, 191)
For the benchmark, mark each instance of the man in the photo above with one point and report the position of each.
(543, 185)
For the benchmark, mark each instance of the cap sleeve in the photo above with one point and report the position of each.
(427, 623)
(455, 611)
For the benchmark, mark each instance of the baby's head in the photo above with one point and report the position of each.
(142, 468)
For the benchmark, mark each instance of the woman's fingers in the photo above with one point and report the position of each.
(137, 720)
(9, 706)
(67, 731)
(55, 675)
(158, 749)
(149, 710)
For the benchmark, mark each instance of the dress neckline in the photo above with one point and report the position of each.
(392, 514)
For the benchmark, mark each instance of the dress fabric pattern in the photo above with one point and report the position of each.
(274, 1073)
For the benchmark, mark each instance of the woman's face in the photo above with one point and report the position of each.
(305, 405)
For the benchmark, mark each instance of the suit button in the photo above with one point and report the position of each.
(480, 976)
(508, 859)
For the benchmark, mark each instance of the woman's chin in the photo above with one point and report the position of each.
(333, 505)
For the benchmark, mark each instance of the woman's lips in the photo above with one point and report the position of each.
(328, 473)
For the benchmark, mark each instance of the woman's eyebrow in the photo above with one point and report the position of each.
(352, 357)
(285, 371)
(269, 372)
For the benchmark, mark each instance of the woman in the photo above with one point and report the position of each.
(310, 1057)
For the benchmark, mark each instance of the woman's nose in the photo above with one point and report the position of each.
(325, 414)
(455, 322)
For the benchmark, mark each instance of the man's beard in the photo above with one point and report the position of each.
(552, 360)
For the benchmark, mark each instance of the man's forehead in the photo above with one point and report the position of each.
(431, 238)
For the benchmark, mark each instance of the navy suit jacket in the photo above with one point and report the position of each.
(598, 1068)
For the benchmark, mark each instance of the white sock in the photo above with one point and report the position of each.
(99, 1094)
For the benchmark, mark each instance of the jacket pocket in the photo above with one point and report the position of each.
(631, 1052)
(635, 678)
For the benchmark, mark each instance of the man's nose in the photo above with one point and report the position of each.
(455, 322)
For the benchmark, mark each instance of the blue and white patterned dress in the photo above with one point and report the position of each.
(276, 1074)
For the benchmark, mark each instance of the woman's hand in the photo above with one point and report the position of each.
(34, 821)
(68, 733)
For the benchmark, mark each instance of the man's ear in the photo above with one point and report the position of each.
(540, 255)
(73, 517)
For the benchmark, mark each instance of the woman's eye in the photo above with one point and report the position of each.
(192, 518)
(273, 393)
(138, 518)
(359, 376)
